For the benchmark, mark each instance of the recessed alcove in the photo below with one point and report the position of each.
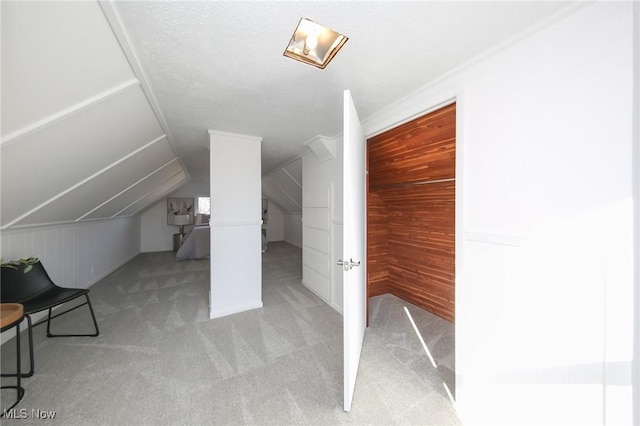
(411, 212)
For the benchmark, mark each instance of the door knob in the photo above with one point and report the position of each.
(348, 265)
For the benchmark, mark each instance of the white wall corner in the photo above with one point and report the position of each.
(323, 147)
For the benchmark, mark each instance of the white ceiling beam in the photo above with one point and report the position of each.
(157, 197)
(67, 112)
(114, 20)
(82, 182)
(127, 188)
(285, 193)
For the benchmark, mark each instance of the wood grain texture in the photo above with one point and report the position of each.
(411, 230)
(377, 245)
(420, 150)
(421, 245)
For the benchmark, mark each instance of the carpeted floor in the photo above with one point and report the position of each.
(160, 360)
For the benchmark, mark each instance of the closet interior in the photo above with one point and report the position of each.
(411, 212)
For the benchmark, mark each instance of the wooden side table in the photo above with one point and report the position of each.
(11, 315)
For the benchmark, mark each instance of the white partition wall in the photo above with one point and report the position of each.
(236, 262)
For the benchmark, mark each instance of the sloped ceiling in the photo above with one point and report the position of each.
(106, 105)
(80, 139)
(283, 186)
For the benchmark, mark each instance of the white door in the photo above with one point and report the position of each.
(353, 261)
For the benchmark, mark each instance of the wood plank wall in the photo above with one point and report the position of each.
(415, 214)
(377, 245)
(422, 150)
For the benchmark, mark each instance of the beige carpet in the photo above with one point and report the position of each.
(160, 360)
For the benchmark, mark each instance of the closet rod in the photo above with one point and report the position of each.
(423, 182)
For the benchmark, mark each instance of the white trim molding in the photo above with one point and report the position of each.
(67, 112)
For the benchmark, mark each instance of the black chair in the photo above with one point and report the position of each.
(37, 292)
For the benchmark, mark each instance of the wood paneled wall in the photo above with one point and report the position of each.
(422, 150)
(377, 245)
(411, 212)
(421, 228)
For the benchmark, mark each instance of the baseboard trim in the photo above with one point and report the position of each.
(111, 270)
(293, 243)
(218, 313)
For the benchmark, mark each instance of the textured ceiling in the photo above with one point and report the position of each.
(220, 65)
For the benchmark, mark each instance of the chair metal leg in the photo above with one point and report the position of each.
(19, 389)
(49, 334)
(32, 363)
(31, 357)
(93, 316)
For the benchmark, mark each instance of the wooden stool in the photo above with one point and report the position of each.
(11, 315)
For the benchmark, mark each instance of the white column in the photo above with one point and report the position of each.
(236, 256)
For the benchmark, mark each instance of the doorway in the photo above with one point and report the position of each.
(411, 213)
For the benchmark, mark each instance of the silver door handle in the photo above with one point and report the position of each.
(348, 265)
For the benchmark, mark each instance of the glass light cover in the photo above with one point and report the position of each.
(314, 44)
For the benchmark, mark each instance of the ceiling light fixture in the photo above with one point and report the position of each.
(314, 44)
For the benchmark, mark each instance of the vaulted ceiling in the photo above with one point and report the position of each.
(80, 140)
(106, 105)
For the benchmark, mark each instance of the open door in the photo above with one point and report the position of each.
(353, 260)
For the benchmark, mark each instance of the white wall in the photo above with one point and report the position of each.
(155, 234)
(283, 226)
(544, 258)
(635, 161)
(293, 228)
(75, 255)
(236, 221)
(275, 222)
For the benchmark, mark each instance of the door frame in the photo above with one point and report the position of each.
(422, 104)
